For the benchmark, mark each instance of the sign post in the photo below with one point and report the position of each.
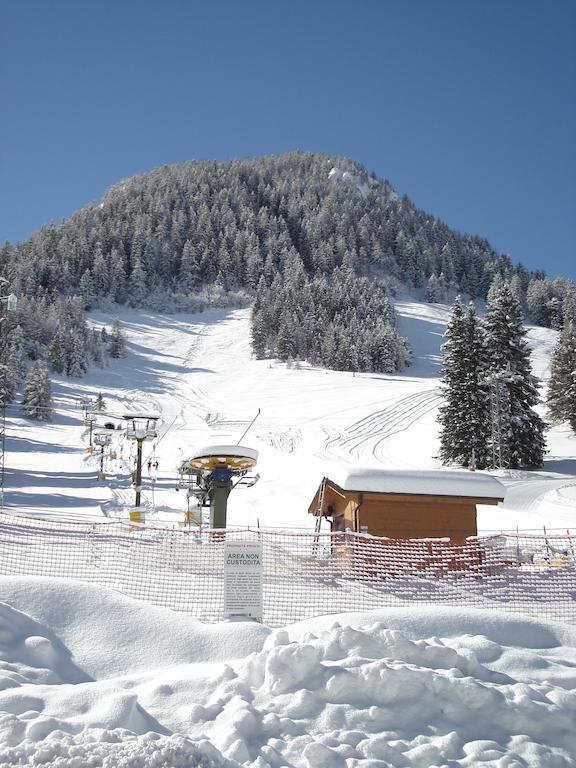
(243, 583)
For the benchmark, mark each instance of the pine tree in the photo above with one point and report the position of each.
(7, 383)
(137, 289)
(117, 289)
(561, 398)
(117, 343)
(259, 334)
(57, 353)
(99, 402)
(100, 273)
(522, 429)
(16, 355)
(11, 365)
(464, 417)
(77, 364)
(37, 399)
(86, 289)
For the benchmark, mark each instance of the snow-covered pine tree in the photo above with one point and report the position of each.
(117, 289)
(259, 328)
(77, 364)
(11, 365)
(465, 415)
(117, 342)
(7, 382)
(16, 356)
(137, 289)
(57, 353)
(18, 345)
(95, 348)
(99, 402)
(561, 398)
(37, 399)
(522, 429)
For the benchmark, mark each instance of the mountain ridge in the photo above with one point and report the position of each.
(318, 241)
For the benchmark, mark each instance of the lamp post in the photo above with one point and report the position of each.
(8, 303)
(140, 427)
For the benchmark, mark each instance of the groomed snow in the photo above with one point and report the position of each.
(90, 678)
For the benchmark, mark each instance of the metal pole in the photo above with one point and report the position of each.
(4, 380)
(138, 471)
(219, 492)
(249, 427)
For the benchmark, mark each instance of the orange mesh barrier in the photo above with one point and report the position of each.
(305, 574)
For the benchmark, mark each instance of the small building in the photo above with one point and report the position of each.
(405, 504)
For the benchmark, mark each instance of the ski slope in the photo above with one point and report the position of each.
(197, 371)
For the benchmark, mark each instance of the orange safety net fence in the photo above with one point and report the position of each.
(304, 574)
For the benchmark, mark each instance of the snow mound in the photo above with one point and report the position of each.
(113, 749)
(394, 687)
(151, 637)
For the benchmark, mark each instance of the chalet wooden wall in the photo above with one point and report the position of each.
(410, 517)
(404, 516)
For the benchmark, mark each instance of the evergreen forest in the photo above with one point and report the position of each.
(314, 242)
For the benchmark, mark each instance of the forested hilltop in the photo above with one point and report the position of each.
(317, 241)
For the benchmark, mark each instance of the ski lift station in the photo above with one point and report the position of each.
(211, 473)
(406, 504)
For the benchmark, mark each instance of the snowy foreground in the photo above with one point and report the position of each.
(91, 678)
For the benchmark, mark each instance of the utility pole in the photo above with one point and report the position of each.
(138, 478)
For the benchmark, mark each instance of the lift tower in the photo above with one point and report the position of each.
(212, 472)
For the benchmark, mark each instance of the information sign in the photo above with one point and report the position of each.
(243, 580)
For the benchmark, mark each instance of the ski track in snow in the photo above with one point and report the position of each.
(366, 437)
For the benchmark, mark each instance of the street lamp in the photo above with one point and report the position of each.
(8, 303)
(140, 427)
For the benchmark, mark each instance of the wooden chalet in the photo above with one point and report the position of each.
(406, 504)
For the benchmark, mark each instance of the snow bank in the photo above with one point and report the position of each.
(132, 636)
(90, 678)
(113, 749)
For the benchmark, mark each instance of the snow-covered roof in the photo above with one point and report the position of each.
(437, 482)
(240, 451)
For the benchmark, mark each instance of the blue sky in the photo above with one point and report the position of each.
(466, 106)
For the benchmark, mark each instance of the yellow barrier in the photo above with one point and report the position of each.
(137, 516)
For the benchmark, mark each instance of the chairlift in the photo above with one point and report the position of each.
(141, 426)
